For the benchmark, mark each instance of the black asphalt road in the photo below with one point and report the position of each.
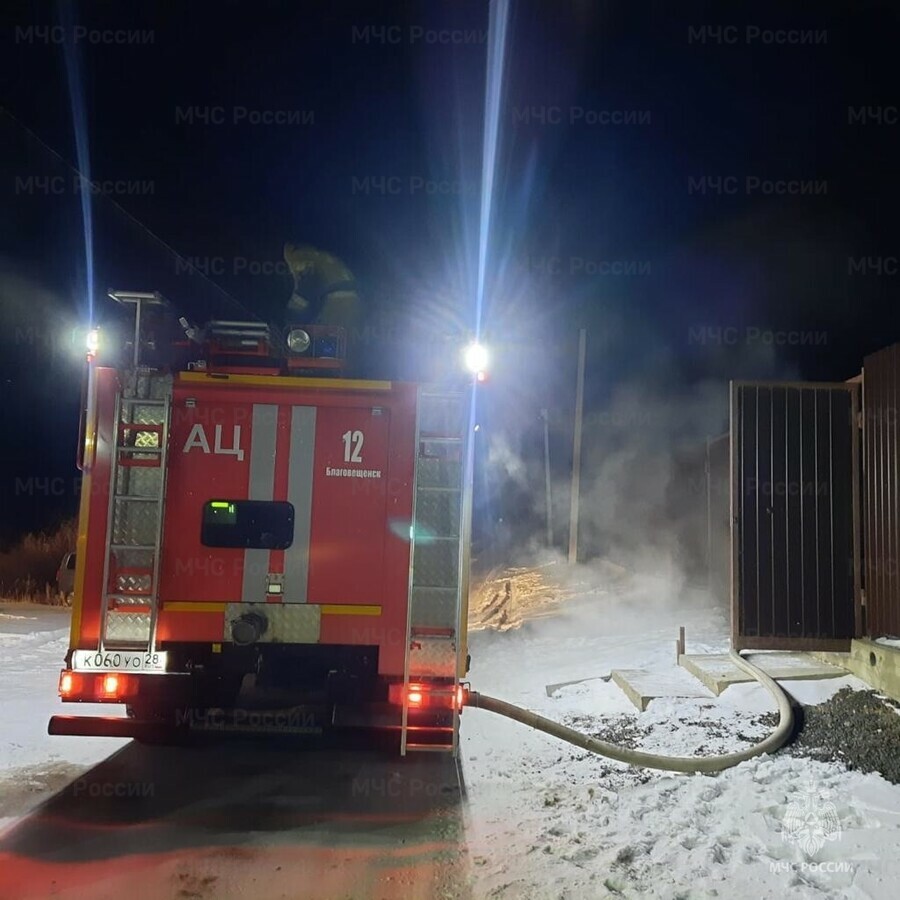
(244, 818)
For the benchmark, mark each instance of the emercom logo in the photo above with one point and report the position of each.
(810, 820)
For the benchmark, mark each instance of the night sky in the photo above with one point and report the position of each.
(710, 189)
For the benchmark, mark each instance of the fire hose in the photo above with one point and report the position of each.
(652, 760)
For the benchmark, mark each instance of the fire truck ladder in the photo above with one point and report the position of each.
(438, 584)
(130, 603)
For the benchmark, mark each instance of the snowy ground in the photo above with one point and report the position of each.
(102, 819)
(33, 642)
(544, 819)
(548, 820)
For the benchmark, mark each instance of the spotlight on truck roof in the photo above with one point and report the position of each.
(475, 358)
(92, 342)
(298, 340)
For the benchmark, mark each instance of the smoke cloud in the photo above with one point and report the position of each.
(647, 510)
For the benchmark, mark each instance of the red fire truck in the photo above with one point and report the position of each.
(264, 545)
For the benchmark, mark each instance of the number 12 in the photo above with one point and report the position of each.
(353, 442)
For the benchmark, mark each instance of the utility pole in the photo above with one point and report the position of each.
(576, 450)
(545, 415)
(708, 515)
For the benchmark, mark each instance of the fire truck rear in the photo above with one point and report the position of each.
(264, 545)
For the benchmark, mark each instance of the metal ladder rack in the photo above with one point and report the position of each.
(130, 598)
(438, 565)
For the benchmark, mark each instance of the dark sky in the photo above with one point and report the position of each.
(711, 189)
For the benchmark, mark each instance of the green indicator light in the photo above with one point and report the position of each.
(221, 504)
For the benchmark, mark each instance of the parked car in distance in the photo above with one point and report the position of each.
(65, 576)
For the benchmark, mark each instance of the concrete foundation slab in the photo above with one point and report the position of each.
(641, 686)
(717, 671)
(551, 689)
(875, 662)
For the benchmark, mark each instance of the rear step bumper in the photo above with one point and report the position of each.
(297, 721)
(103, 726)
(248, 722)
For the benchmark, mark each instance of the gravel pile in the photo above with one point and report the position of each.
(860, 729)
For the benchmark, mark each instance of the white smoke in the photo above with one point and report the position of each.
(643, 497)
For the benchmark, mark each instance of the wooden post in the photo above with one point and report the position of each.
(679, 644)
(545, 415)
(709, 527)
(576, 450)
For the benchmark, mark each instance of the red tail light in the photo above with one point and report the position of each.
(116, 686)
(109, 685)
(414, 696)
(113, 687)
(69, 684)
(422, 695)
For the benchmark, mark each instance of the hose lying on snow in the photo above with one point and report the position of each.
(652, 760)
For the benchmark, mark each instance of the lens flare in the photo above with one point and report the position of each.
(475, 357)
(493, 92)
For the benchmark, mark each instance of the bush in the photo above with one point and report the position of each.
(28, 570)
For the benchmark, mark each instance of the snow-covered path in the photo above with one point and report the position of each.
(244, 820)
(548, 820)
(235, 819)
(33, 642)
(538, 819)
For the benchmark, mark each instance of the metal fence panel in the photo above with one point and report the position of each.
(718, 514)
(792, 496)
(881, 467)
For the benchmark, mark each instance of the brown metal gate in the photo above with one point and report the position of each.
(881, 468)
(794, 502)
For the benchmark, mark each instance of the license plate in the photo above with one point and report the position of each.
(118, 661)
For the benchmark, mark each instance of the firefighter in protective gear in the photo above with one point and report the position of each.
(324, 289)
